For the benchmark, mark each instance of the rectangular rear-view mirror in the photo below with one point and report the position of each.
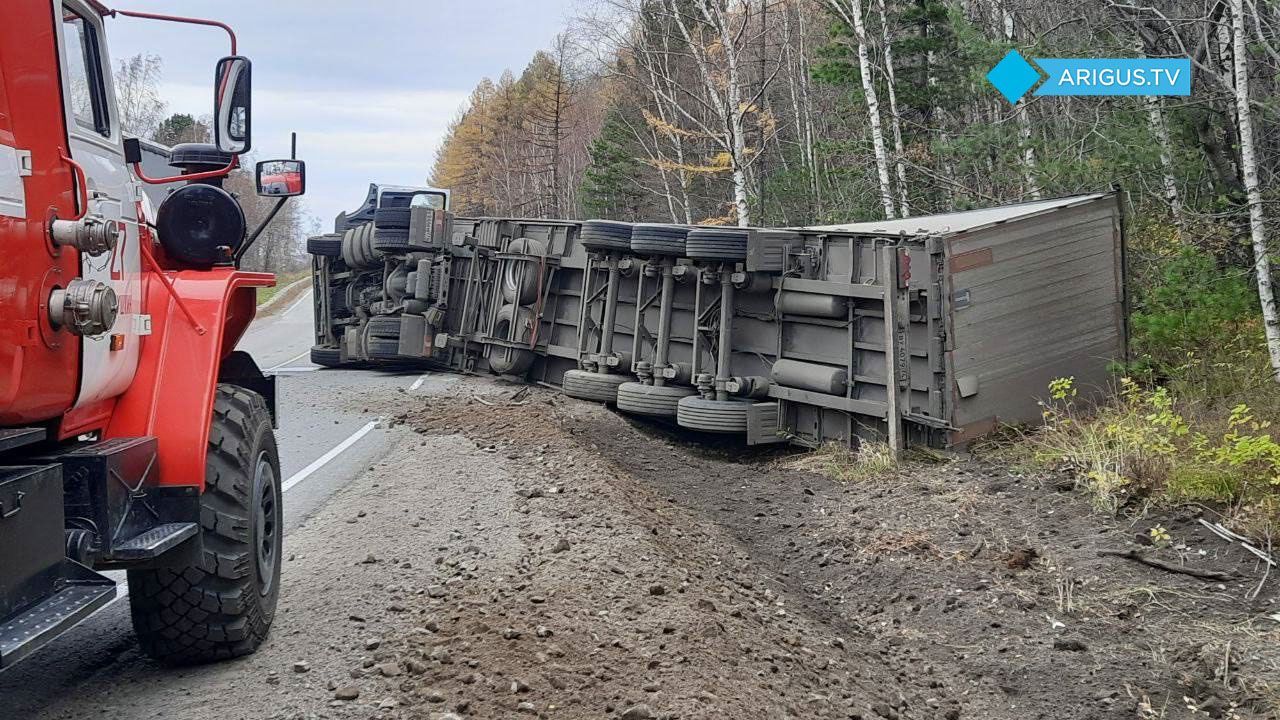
(281, 178)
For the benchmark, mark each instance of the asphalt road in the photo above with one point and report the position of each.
(323, 445)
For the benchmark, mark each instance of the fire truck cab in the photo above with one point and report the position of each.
(132, 435)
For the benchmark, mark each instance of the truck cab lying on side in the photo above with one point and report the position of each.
(132, 435)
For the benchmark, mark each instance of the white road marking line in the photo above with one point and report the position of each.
(299, 356)
(296, 369)
(295, 305)
(324, 459)
(122, 588)
(418, 383)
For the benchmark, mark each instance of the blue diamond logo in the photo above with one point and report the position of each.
(1013, 76)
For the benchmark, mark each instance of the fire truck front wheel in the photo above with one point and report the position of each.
(223, 607)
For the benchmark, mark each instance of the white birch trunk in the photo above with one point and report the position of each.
(1031, 187)
(736, 111)
(854, 16)
(1155, 113)
(1155, 116)
(1249, 169)
(895, 120)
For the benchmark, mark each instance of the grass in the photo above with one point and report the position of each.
(282, 281)
(871, 460)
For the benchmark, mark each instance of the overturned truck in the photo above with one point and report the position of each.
(920, 331)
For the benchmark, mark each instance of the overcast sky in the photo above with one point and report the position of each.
(370, 86)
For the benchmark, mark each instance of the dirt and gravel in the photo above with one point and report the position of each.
(522, 554)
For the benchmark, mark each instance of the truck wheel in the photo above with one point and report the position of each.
(326, 356)
(391, 240)
(223, 607)
(654, 239)
(586, 385)
(654, 400)
(518, 322)
(718, 416)
(522, 276)
(391, 217)
(714, 243)
(605, 235)
(382, 337)
(327, 245)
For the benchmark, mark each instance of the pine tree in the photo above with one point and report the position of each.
(609, 187)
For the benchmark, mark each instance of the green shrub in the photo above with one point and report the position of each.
(1148, 443)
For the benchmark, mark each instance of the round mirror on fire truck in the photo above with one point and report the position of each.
(281, 178)
(231, 89)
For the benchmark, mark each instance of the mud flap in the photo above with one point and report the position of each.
(763, 427)
(239, 368)
(413, 339)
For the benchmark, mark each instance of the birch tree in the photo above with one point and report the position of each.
(1031, 187)
(895, 119)
(1253, 191)
(852, 15)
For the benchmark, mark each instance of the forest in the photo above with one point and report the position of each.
(796, 112)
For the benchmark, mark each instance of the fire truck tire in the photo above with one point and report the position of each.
(390, 240)
(223, 607)
(586, 385)
(326, 356)
(391, 217)
(718, 416)
(327, 245)
(506, 360)
(653, 400)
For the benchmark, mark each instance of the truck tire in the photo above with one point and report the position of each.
(223, 607)
(391, 218)
(586, 385)
(326, 356)
(382, 337)
(357, 247)
(522, 276)
(604, 235)
(327, 245)
(655, 239)
(713, 243)
(717, 416)
(653, 400)
(392, 241)
(518, 321)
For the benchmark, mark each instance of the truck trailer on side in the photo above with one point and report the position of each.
(928, 330)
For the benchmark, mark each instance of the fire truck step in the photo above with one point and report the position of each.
(154, 542)
(84, 592)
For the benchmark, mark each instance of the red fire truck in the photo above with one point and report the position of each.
(132, 434)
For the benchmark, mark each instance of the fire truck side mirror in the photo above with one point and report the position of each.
(281, 178)
(231, 104)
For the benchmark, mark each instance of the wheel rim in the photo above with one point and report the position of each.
(266, 528)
